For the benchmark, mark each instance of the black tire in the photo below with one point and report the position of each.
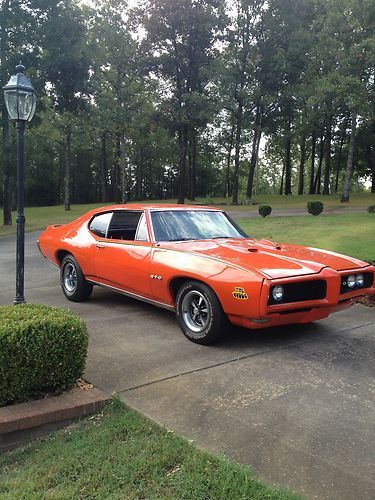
(199, 313)
(73, 283)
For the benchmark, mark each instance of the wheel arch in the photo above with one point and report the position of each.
(176, 283)
(60, 255)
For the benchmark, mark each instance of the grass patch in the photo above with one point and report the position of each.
(40, 217)
(120, 454)
(352, 234)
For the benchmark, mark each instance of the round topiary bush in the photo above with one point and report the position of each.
(265, 210)
(371, 209)
(42, 349)
(315, 207)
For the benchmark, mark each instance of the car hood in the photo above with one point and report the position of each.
(270, 259)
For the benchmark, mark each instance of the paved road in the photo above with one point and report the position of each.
(295, 403)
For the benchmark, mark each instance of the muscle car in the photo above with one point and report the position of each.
(199, 263)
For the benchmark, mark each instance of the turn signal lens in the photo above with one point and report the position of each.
(351, 281)
(278, 293)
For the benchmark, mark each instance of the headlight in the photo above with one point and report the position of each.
(359, 280)
(278, 293)
(351, 281)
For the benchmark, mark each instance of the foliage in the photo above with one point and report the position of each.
(214, 98)
(41, 349)
(315, 207)
(265, 210)
(121, 454)
(371, 209)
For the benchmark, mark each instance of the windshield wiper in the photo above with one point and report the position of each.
(218, 237)
(181, 239)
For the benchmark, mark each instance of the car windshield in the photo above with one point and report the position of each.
(182, 225)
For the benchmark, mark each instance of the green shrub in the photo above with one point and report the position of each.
(42, 349)
(265, 210)
(371, 209)
(315, 207)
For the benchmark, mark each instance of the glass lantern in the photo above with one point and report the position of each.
(19, 96)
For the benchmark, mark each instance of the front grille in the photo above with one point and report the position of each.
(368, 281)
(301, 291)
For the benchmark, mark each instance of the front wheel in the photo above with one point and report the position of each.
(73, 282)
(199, 313)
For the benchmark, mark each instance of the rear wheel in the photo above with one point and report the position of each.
(199, 313)
(73, 282)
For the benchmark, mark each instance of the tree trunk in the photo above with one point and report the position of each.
(193, 165)
(282, 180)
(301, 174)
(123, 171)
(7, 197)
(371, 163)
(288, 159)
(227, 183)
(312, 168)
(349, 166)
(254, 154)
(318, 177)
(182, 141)
(6, 185)
(67, 165)
(327, 169)
(237, 148)
(139, 175)
(117, 170)
(339, 158)
(103, 168)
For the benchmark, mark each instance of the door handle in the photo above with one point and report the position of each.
(99, 246)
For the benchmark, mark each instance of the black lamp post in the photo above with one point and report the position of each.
(20, 100)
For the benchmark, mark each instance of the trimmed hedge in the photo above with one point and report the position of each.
(265, 210)
(42, 349)
(371, 209)
(315, 207)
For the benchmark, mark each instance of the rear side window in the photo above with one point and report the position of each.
(124, 225)
(99, 224)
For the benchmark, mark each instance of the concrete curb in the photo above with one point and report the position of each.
(22, 422)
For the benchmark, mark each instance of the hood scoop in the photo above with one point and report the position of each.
(267, 245)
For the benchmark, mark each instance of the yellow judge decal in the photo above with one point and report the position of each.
(239, 293)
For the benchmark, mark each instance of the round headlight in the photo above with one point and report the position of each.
(278, 293)
(351, 281)
(359, 280)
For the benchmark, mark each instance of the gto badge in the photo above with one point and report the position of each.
(155, 277)
(239, 293)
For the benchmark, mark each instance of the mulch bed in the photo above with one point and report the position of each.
(367, 301)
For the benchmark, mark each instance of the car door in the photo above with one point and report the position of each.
(122, 254)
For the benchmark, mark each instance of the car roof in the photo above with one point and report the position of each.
(152, 206)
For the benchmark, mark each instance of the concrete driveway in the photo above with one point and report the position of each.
(295, 403)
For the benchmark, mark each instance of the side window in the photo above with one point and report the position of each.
(124, 225)
(99, 224)
(142, 231)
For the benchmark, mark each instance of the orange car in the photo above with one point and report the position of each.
(199, 263)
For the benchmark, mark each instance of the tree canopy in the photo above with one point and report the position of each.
(184, 98)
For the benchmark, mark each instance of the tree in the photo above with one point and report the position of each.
(181, 45)
(65, 65)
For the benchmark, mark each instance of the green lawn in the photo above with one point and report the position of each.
(352, 234)
(40, 217)
(120, 454)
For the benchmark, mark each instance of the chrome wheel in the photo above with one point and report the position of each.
(70, 277)
(195, 311)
